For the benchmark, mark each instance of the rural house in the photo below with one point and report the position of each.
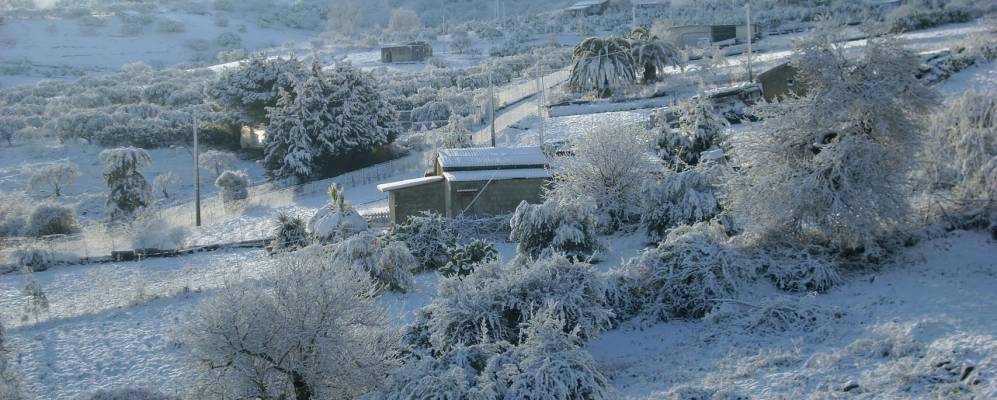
(473, 181)
(699, 36)
(410, 52)
(587, 7)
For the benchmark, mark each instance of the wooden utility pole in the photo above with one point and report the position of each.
(197, 179)
(540, 101)
(491, 105)
(751, 34)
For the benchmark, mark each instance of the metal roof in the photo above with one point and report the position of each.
(477, 158)
(387, 187)
(497, 174)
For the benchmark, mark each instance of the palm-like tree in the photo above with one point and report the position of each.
(651, 54)
(602, 64)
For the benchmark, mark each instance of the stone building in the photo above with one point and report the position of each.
(587, 7)
(410, 52)
(472, 181)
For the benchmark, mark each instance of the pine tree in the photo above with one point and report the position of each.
(129, 189)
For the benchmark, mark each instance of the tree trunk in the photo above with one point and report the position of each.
(301, 389)
(650, 73)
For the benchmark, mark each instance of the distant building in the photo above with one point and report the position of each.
(779, 82)
(252, 137)
(587, 7)
(699, 36)
(410, 52)
(652, 5)
(473, 181)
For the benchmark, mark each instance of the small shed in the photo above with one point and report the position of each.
(409, 52)
(478, 181)
(252, 137)
(587, 7)
(709, 35)
(780, 81)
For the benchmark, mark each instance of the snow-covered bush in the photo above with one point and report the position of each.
(233, 185)
(553, 227)
(464, 259)
(389, 264)
(129, 189)
(170, 26)
(337, 220)
(164, 183)
(13, 214)
(130, 394)
(456, 135)
(770, 316)
(33, 258)
(492, 302)
(313, 330)
(54, 176)
(37, 299)
(150, 232)
(607, 166)
(798, 268)
(51, 219)
(326, 118)
(290, 234)
(680, 198)
(922, 14)
(699, 129)
(831, 166)
(433, 112)
(9, 126)
(217, 161)
(429, 236)
(682, 277)
(228, 40)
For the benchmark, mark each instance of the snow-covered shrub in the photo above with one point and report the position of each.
(233, 185)
(916, 15)
(130, 394)
(129, 189)
(831, 166)
(456, 135)
(682, 277)
(449, 376)
(150, 232)
(290, 234)
(51, 219)
(33, 258)
(389, 264)
(217, 161)
(54, 176)
(170, 26)
(607, 166)
(464, 259)
(798, 268)
(13, 214)
(433, 112)
(559, 228)
(325, 118)
(228, 40)
(9, 127)
(770, 316)
(337, 220)
(312, 330)
(429, 236)
(680, 198)
(492, 302)
(699, 129)
(37, 299)
(164, 183)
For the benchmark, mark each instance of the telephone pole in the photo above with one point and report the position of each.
(540, 101)
(751, 76)
(491, 105)
(197, 179)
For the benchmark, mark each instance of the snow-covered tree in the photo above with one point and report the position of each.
(460, 41)
(129, 189)
(313, 331)
(962, 147)
(164, 183)
(217, 161)
(602, 64)
(9, 126)
(652, 55)
(337, 220)
(389, 264)
(831, 166)
(14, 213)
(680, 198)
(37, 299)
(567, 228)
(54, 176)
(700, 128)
(327, 118)
(608, 167)
(255, 84)
(456, 135)
(233, 185)
(290, 233)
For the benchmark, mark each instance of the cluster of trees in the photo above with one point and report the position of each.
(610, 63)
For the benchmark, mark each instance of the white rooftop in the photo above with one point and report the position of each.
(496, 174)
(586, 3)
(386, 187)
(497, 157)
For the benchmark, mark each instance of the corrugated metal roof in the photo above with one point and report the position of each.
(491, 158)
(496, 174)
(386, 187)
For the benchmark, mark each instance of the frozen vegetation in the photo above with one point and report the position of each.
(694, 242)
